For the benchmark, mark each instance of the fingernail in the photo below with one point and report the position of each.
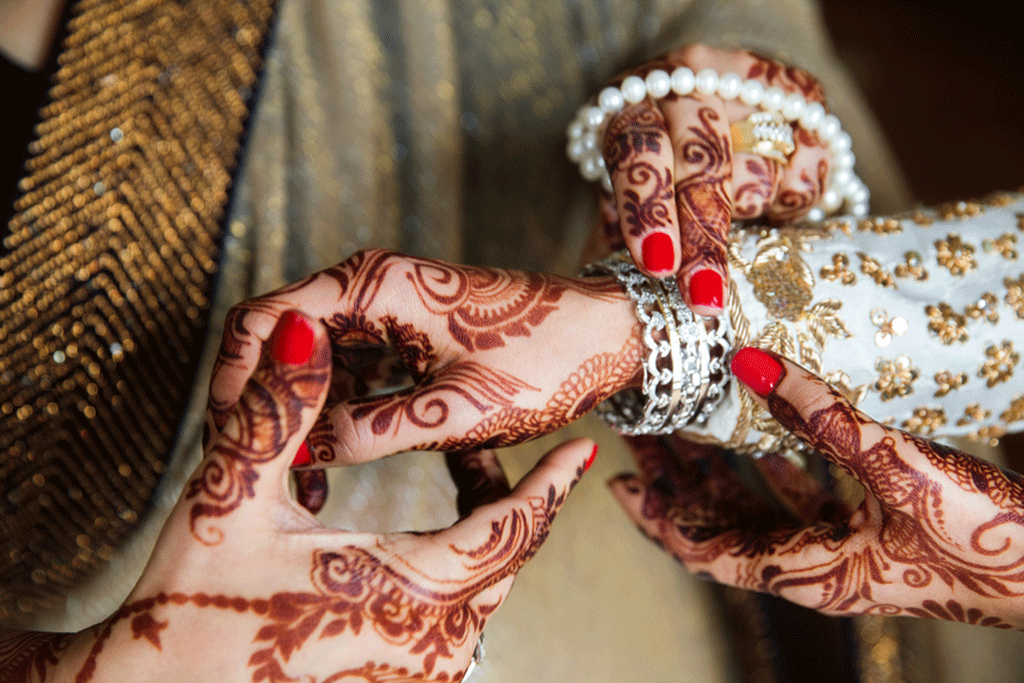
(657, 252)
(294, 339)
(756, 369)
(590, 460)
(303, 457)
(706, 289)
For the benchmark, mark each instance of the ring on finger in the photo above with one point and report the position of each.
(764, 133)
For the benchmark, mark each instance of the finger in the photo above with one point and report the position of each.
(755, 184)
(479, 479)
(799, 492)
(637, 151)
(311, 488)
(702, 151)
(803, 179)
(504, 535)
(250, 456)
(821, 417)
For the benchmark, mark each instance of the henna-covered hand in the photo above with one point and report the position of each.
(246, 585)
(677, 182)
(488, 357)
(940, 533)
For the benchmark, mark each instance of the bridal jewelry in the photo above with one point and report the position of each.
(684, 375)
(844, 191)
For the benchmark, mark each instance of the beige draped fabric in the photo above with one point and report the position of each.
(436, 127)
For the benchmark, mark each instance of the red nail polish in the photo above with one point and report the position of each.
(590, 460)
(658, 253)
(294, 339)
(706, 289)
(756, 369)
(303, 457)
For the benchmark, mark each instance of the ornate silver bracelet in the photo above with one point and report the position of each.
(684, 375)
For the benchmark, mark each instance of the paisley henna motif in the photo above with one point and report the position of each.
(702, 199)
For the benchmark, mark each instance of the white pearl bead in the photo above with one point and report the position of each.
(590, 169)
(707, 81)
(861, 195)
(575, 150)
(812, 116)
(829, 128)
(860, 210)
(831, 200)
(793, 106)
(772, 99)
(844, 160)
(841, 142)
(815, 214)
(659, 83)
(633, 89)
(575, 129)
(729, 86)
(683, 80)
(611, 99)
(593, 116)
(752, 92)
(841, 177)
(589, 141)
(606, 182)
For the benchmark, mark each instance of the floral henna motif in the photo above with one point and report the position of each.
(272, 406)
(25, 657)
(792, 203)
(752, 199)
(954, 611)
(788, 78)
(634, 131)
(702, 199)
(652, 211)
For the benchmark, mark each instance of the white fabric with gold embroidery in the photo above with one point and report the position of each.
(924, 334)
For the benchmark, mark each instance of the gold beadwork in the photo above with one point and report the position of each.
(873, 269)
(107, 271)
(1000, 364)
(960, 210)
(973, 413)
(912, 266)
(1005, 245)
(925, 421)
(895, 377)
(1015, 294)
(946, 323)
(989, 434)
(886, 328)
(948, 382)
(781, 279)
(985, 308)
(1015, 413)
(955, 255)
(880, 225)
(839, 270)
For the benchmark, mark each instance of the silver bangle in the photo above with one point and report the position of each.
(474, 661)
(684, 374)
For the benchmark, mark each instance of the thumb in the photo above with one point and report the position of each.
(251, 455)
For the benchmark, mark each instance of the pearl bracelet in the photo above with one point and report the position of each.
(844, 191)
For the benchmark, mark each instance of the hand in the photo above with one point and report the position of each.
(245, 585)
(940, 533)
(677, 182)
(492, 357)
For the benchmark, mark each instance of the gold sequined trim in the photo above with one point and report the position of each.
(895, 377)
(955, 255)
(1015, 413)
(960, 210)
(925, 421)
(973, 413)
(948, 382)
(839, 270)
(1015, 294)
(947, 324)
(873, 269)
(1005, 245)
(1000, 364)
(912, 267)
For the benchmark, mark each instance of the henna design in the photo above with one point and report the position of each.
(478, 479)
(426, 405)
(270, 416)
(788, 78)
(652, 211)
(792, 203)
(25, 657)
(701, 197)
(954, 611)
(237, 338)
(633, 131)
(356, 589)
(752, 199)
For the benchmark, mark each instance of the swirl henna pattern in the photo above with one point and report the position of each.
(939, 534)
(702, 197)
(634, 133)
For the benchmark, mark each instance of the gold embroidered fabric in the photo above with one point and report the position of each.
(106, 276)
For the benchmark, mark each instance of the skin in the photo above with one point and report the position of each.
(940, 533)
(246, 585)
(673, 169)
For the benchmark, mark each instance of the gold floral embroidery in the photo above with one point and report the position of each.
(948, 382)
(874, 270)
(1015, 413)
(1020, 222)
(782, 280)
(925, 421)
(841, 224)
(990, 435)
(959, 210)
(921, 218)
(840, 381)
(880, 225)
(839, 270)
(973, 413)
(999, 366)
(911, 267)
(895, 378)
(984, 308)
(1001, 199)
(949, 325)
(1015, 294)
(1006, 245)
(887, 328)
(955, 255)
